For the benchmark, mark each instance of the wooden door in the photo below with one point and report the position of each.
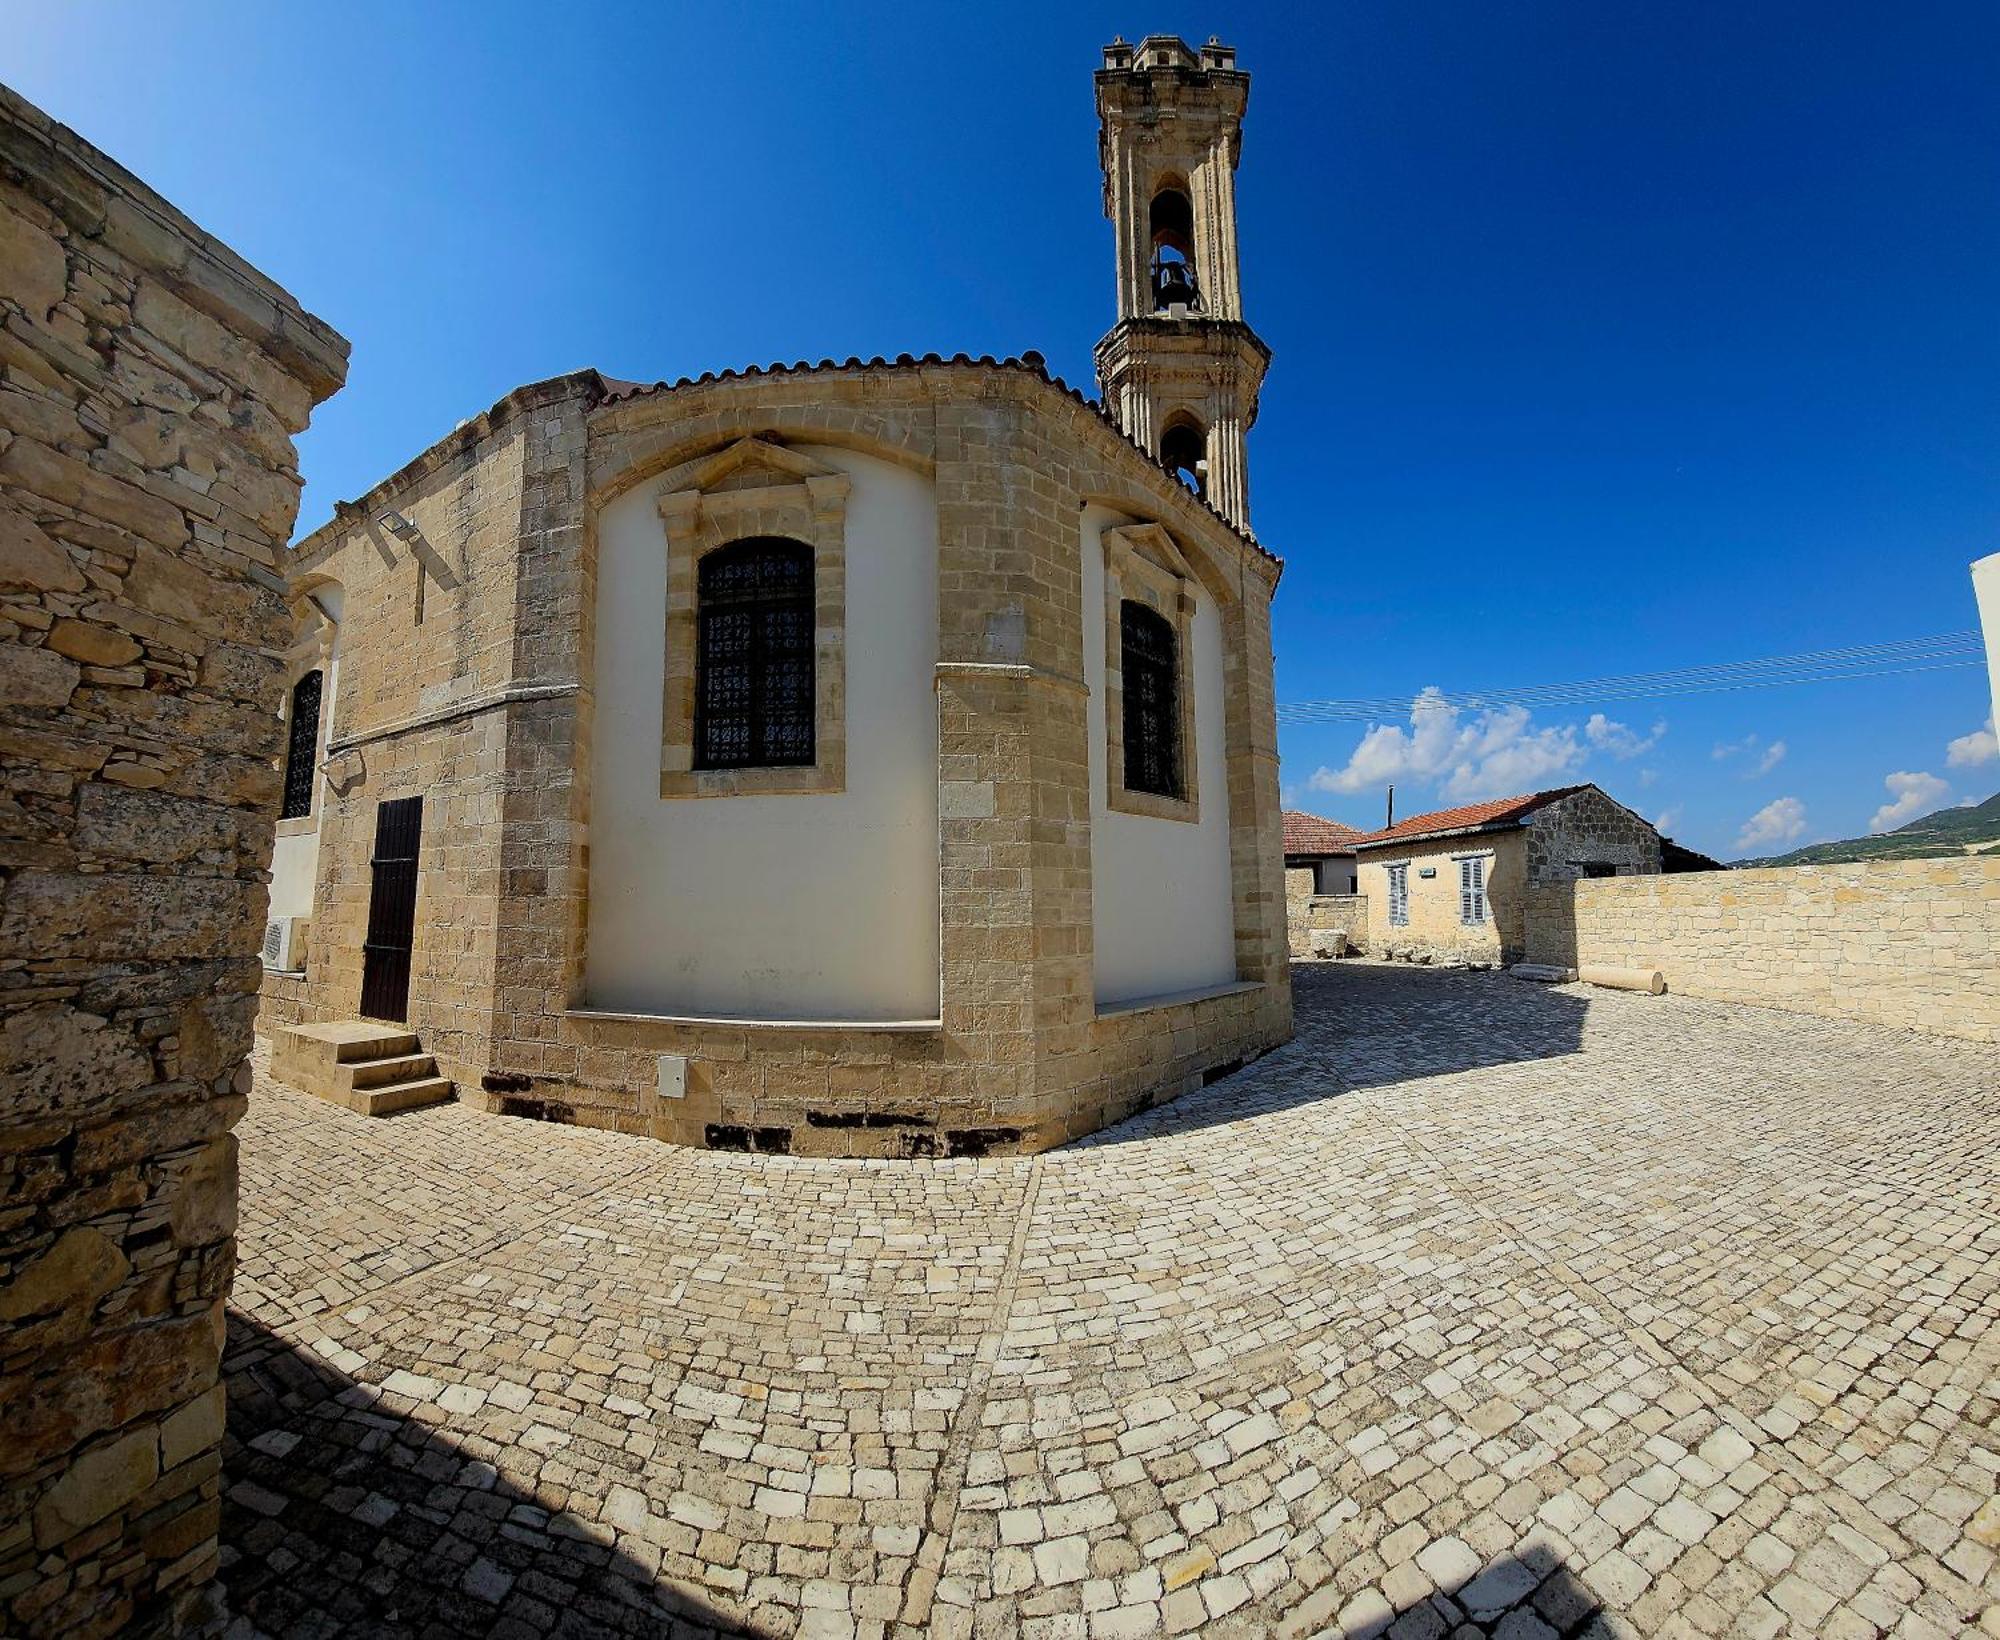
(392, 910)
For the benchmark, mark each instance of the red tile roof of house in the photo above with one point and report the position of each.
(1492, 815)
(1309, 834)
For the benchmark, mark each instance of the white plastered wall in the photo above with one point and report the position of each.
(295, 851)
(815, 906)
(1159, 889)
(1986, 590)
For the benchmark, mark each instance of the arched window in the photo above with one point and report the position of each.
(302, 747)
(1184, 451)
(1172, 223)
(1149, 663)
(754, 705)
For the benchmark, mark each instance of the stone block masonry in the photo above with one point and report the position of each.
(150, 386)
(488, 708)
(1316, 918)
(1891, 942)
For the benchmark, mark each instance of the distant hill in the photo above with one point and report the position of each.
(1949, 831)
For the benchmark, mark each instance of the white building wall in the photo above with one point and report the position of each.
(1986, 589)
(1159, 889)
(295, 852)
(819, 906)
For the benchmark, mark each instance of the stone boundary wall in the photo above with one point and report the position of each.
(1891, 942)
(150, 386)
(1317, 913)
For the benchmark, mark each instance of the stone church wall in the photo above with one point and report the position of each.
(458, 653)
(1020, 1057)
(1162, 920)
(150, 386)
(814, 905)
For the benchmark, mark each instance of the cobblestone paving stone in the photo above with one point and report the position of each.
(1480, 1309)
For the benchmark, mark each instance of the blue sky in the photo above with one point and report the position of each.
(1609, 337)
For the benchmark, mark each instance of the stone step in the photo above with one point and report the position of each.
(380, 1042)
(399, 1067)
(369, 1068)
(391, 1097)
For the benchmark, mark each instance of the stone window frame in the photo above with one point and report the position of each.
(755, 488)
(311, 651)
(1142, 563)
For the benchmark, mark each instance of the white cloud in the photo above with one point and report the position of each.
(1490, 753)
(1664, 820)
(1752, 749)
(1914, 794)
(1779, 821)
(1620, 741)
(1969, 751)
(1648, 776)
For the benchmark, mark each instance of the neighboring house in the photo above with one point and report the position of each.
(1319, 855)
(1450, 886)
(1674, 859)
(1320, 884)
(867, 758)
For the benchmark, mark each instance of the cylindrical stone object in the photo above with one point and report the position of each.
(1624, 979)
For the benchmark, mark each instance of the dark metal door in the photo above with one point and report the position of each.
(392, 911)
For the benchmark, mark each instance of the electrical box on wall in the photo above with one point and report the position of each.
(673, 1076)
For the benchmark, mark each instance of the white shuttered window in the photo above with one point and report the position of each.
(1472, 891)
(1399, 896)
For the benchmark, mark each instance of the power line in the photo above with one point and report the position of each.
(1942, 652)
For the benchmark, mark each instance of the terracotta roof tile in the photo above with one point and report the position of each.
(1496, 812)
(1310, 834)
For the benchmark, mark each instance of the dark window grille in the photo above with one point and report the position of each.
(754, 682)
(1150, 667)
(302, 749)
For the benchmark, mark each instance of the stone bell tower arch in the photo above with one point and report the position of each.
(1180, 370)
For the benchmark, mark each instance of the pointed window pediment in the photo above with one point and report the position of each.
(755, 694)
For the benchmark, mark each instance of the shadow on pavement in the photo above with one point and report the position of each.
(340, 1518)
(1531, 1595)
(1365, 1025)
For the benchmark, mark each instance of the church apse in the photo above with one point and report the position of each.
(772, 729)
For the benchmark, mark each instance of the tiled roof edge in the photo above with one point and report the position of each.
(1030, 363)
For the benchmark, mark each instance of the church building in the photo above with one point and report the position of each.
(869, 758)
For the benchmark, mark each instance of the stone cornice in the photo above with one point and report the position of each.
(103, 200)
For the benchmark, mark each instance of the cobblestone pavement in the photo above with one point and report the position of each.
(1482, 1308)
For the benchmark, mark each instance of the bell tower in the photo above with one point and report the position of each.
(1180, 370)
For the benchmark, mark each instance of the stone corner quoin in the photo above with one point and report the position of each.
(151, 383)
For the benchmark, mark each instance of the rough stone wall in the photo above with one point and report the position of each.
(1020, 1059)
(1892, 942)
(150, 385)
(1321, 914)
(1588, 826)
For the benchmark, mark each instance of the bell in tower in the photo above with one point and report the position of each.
(1180, 370)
